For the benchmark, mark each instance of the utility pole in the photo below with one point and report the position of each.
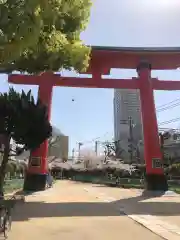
(79, 149)
(73, 151)
(96, 147)
(117, 148)
(130, 138)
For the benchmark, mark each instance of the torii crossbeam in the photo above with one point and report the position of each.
(102, 60)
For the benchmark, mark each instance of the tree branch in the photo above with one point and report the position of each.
(53, 140)
(17, 152)
(13, 155)
(52, 160)
(11, 150)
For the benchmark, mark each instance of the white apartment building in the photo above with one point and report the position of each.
(127, 105)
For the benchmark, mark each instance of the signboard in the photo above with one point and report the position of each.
(156, 163)
(123, 121)
(35, 161)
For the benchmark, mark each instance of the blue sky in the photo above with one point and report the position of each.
(115, 23)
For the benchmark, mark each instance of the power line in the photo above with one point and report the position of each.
(175, 129)
(94, 139)
(169, 107)
(163, 105)
(170, 121)
(160, 108)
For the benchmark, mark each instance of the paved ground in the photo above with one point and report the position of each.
(160, 214)
(75, 211)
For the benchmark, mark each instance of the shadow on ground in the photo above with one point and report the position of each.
(135, 205)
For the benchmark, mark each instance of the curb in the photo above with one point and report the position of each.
(157, 229)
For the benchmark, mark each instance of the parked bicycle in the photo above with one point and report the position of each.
(5, 215)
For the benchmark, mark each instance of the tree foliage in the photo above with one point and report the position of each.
(42, 35)
(25, 121)
(173, 169)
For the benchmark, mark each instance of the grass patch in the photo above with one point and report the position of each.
(13, 185)
(176, 189)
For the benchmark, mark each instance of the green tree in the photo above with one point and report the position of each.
(43, 35)
(23, 120)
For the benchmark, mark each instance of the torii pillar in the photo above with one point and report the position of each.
(36, 174)
(155, 177)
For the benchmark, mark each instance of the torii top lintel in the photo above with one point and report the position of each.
(160, 58)
(103, 59)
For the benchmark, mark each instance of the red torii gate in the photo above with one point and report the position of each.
(102, 60)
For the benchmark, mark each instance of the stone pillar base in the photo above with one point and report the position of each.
(156, 182)
(35, 182)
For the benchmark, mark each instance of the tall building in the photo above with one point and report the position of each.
(126, 106)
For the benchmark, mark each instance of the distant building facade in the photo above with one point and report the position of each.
(127, 105)
(58, 146)
(171, 147)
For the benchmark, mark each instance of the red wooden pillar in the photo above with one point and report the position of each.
(38, 166)
(155, 177)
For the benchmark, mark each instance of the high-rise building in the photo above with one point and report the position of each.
(126, 107)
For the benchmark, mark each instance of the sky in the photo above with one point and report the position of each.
(122, 23)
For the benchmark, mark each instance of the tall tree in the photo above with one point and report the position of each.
(25, 121)
(42, 35)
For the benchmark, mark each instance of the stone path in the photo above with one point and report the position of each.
(68, 211)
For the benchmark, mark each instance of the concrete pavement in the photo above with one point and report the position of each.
(70, 211)
(158, 214)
